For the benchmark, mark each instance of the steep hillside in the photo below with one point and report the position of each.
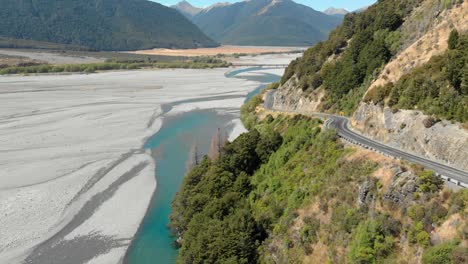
(398, 50)
(187, 9)
(100, 24)
(266, 22)
(290, 192)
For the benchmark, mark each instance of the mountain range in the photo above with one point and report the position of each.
(262, 22)
(100, 24)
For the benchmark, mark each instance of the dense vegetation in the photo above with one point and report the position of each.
(259, 22)
(354, 54)
(197, 63)
(12, 43)
(100, 24)
(439, 87)
(284, 187)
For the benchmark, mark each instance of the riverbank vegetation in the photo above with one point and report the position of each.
(196, 63)
(288, 190)
(439, 87)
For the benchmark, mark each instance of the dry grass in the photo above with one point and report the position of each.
(450, 229)
(312, 210)
(226, 50)
(434, 42)
(319, 254)
(7, 61)
(262, 113)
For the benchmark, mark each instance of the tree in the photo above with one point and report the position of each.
(464, 83)
(453, 39)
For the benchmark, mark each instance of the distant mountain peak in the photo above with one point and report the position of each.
(336, 11)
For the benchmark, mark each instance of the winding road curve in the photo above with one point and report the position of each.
(341, 124)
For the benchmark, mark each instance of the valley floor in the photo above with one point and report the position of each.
(225, 50)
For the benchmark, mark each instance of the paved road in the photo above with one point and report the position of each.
(341, 124)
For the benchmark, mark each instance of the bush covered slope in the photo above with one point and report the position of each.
(355, 54)
(439, 87)
(289, 192)
(267, 23)
(359, 48)
(100, 24)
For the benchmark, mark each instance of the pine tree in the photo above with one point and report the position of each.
(453, 39)
(464, 84)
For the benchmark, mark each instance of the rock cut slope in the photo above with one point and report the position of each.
(390, 67)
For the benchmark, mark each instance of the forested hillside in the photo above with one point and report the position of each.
(353, 55)
(347, 63)
(290, 192)
(100, 24)
(266, 22)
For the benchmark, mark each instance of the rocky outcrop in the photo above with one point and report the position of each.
(406, 129)
(367, 193)
(401, 191)
(290, 98)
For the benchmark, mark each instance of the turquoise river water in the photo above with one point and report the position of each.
(172, 147)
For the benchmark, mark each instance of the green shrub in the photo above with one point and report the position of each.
(248, 116)
(439, 87)
(423, 238)
(458, 201)
(440, 254)
(418, 235)
(379, 93)
(429, 182)
(309, 231)
(371, 243)
(453, 39)
(416, 212)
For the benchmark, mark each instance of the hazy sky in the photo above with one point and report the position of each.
(321, 5)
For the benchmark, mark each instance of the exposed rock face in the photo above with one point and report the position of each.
(405, 129)
(367, 193)
(402, 189)
(289, 98)
(409, 130)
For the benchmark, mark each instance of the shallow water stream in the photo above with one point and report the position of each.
(172, 148)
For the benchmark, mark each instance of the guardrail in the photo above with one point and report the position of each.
(329, 119)
(446, 178)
